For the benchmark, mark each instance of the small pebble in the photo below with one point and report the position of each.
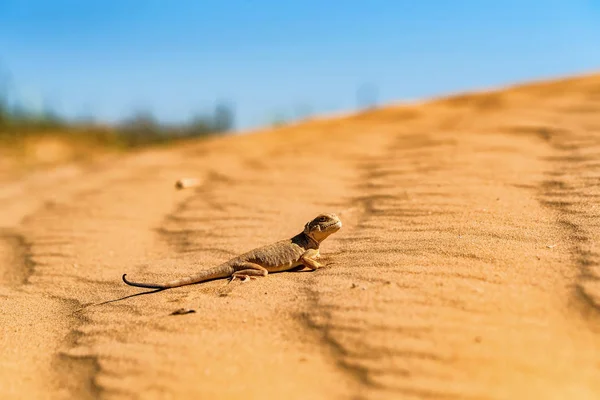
(185, 183)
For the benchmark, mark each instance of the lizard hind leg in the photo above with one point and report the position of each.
(247, 274)
(247, 270)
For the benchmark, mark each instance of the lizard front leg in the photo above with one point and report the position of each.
(309, 259)
(248, 270)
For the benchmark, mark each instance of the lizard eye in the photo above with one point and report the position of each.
(322, 219)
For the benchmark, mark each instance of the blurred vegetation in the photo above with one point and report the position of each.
(141, 129)
(19, 123)
(144, 129)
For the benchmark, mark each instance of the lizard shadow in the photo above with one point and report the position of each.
(131, 295)
(121, 298)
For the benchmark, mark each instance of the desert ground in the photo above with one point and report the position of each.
(467, 267)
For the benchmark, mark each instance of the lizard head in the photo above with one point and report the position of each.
(322, 226)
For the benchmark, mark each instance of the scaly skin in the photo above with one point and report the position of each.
(284, 255)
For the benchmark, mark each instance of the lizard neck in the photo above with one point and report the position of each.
(311, 241)
(306, 241)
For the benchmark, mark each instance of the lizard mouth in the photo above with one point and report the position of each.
(336, 225)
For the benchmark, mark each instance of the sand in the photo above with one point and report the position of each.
(467, 267)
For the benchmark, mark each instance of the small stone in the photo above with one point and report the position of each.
(185, 183)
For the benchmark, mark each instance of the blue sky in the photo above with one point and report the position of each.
(175, 57)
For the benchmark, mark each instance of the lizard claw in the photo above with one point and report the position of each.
(242, 278)
(246, 278)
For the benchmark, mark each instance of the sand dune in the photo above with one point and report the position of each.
(467, 267)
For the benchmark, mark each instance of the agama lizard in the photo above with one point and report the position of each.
(284, 255)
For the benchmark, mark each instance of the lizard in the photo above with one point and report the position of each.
(301, 250)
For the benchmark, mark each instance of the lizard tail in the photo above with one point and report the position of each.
(222, 271)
